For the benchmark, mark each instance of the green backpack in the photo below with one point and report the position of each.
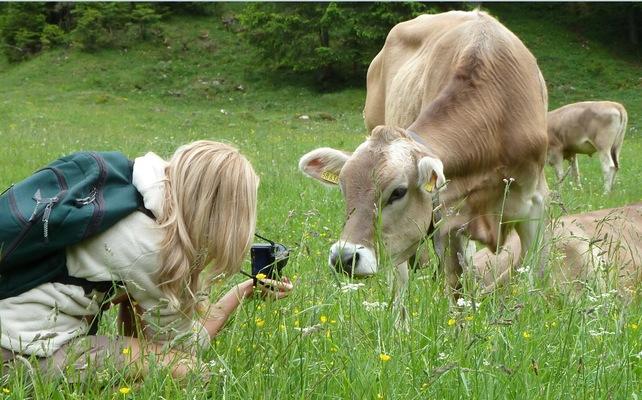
(69, 200)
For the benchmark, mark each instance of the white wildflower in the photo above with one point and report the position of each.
(308, 330)
(523, 270)
(601, 332)
(350, 287)
(375, 305)
(461, 302)
(442, 356)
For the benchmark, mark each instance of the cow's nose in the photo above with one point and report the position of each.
(344, 260)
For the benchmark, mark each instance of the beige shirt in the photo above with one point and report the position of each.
(42, 319)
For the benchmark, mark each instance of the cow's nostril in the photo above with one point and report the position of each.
(349, 262)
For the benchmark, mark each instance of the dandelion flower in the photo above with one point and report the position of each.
(261, 276)
(259, 322)
(384, 357)
(451, 322)
(124, 390)
(323, 319)
(126, 350)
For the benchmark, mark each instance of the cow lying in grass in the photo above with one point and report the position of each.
(453, 97)
(600, 248)
(586, 128)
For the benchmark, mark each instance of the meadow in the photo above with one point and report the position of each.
(328, 340)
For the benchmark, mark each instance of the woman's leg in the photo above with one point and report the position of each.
(90, 355)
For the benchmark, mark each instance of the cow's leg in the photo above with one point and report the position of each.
(575, 171)
(399, 302)
(608, 169)
(531, 232)
(557, 161)
(454, 256)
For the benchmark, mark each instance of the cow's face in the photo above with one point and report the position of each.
(387, 184)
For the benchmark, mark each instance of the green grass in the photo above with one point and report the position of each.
(523, 342)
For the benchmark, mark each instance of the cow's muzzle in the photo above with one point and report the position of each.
(352, 259)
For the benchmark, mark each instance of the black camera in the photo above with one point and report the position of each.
(268, 258)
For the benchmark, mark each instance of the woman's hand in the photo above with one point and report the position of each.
(273, 289)
(270, 288)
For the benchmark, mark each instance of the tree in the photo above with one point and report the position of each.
(332, 40)
(21, 27)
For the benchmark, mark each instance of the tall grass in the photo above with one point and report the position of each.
(527, 340)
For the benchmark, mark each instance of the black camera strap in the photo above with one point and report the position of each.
(261, 237)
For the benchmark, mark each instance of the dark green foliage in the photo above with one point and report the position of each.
(21, 27)
(144, 18)
(100, 25)
(27, 28)
(333, 40)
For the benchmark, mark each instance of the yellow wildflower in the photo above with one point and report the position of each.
(469, 318)
(384, 357)
(259, 322)
(451, 322)
(124, 390)
(126, 350)
(634, 326)
(6, 391)
(261, 276)
(526, 334)
(323, 319)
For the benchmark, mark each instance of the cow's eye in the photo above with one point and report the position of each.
(397, 194)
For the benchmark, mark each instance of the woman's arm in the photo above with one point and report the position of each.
(216, 315)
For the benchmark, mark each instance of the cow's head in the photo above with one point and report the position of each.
(388, 184)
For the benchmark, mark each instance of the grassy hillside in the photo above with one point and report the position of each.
(201, 82)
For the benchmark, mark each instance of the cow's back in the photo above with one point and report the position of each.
(400, 65)
(470, 81)
(570, 125)
(421, 57)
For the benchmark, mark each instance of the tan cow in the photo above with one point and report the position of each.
(600, 248)
(453, 97)
(586, 128)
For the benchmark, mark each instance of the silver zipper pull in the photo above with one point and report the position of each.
(45, 217)
(38, 198)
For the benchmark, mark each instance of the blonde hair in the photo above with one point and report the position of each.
(209, 216)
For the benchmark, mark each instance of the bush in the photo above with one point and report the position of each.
(21, 28)
(336, 41)
(27, 28)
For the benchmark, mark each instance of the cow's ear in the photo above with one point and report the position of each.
(324, 164)
(431, 174)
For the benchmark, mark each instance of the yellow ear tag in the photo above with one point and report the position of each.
(430, 185)
(330, 177)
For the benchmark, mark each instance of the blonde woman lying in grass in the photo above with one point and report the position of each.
(203, 202)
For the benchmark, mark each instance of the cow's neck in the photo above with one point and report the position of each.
(457, 145)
